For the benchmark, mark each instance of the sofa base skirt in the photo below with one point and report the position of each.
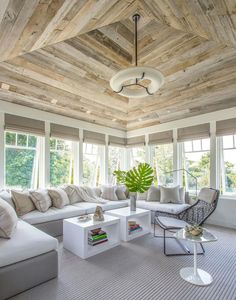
(53, 228)
(21, 276)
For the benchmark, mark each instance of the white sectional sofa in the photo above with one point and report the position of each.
(32, 249)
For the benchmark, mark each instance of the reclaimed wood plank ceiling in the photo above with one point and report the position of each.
(59, 55)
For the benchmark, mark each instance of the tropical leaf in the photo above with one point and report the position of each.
(140, 178)
(120, 176)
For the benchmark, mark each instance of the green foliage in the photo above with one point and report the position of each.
(120, 176)
(19, 167)
(140, 178)
(59, 168)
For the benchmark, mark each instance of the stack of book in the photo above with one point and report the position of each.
(97, 236)
(133, 227)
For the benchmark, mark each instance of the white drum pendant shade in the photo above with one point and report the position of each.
(136, 74)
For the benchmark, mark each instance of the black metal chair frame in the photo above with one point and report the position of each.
(187, 215)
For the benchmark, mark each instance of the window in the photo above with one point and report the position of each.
(61, 162)
(137, 155)
(196, 160)
(162, 160)
(93, 160)
(115, 162)
(21, 163)
(228, 164)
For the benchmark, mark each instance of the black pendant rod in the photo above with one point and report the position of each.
(136, 17)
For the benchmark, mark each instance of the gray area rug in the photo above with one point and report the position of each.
(139, 270)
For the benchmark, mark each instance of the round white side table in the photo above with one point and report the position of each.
(195, 275)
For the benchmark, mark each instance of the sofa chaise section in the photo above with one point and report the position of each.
(31, 253)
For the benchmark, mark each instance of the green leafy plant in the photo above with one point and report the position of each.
(120, 176)
(140, 178)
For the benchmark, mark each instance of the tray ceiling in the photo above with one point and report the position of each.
(59, 56)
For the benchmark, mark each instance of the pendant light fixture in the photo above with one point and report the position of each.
(128, 82)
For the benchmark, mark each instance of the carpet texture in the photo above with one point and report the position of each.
(139, 270)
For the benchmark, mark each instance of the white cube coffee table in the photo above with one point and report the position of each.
(141, 216)
(75, 235)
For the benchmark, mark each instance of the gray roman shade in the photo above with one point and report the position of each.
(117, 141)
(226, 127)
(194, 132)
(64, 132)
(22, 124)
(94, 137)
(158, 138)
(136, 141)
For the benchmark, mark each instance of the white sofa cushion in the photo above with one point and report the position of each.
(37, 217)
(90, 207)
(164, 207)
(28, 242)
(172, 222)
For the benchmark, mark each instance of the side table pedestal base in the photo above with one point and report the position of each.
(200, 278)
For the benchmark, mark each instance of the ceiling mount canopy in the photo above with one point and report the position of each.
(130, 82)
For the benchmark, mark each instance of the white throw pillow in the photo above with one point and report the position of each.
(109, 193)
(41, 199)
(170, 194)
(23, 202)
(90, 191)
(5, 195)
(72, 193)
(59, 197)
(142, 196)
(153, 194)
(8, 220)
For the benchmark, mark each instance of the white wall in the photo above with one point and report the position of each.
(225, 213)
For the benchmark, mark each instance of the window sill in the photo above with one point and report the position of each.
(227, 197)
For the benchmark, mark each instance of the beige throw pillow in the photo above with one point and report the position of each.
(8, 220)
(109, 193)
(72, 193)
(23, 202)
(59, 197)
(153, 194)
(170, 194)
(41, 200)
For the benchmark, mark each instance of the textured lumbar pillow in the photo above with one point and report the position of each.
(41, 200)
(8, 220)
(153, 193)
(120, 193)
(23, 202)
(59, 197)
(109, 193)
(170, 194)
(72, 193)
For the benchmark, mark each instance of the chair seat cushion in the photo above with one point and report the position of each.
(52, 214)
(26, 243)
(168, 222)
(163, 207)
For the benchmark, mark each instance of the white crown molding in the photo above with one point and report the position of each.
(24, 111)
(191, 121)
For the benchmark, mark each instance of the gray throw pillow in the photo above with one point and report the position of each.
(142, 196)
(153, 194)
(8, 220)
(109, 193)
(41, 199)
(120, 193)
(59, 197)
(181, 195)
(170, 194)
(72, 193)
(23, 202)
